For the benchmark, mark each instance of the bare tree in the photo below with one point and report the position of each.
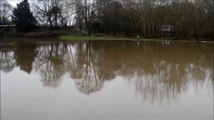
(5, 10)
(53, 12)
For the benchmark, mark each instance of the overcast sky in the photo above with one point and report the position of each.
(14, 2)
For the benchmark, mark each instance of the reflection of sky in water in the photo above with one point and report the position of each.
(26, 98)
(7, 61)
(93, 80)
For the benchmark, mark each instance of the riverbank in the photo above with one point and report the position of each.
(93, 37)
(118, 38)
(71, 36)
(38, 35)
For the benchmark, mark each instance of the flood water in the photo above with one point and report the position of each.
(106, 80)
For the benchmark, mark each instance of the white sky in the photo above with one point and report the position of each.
(14, 2)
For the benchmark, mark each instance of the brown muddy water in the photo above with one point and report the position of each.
(106, 80)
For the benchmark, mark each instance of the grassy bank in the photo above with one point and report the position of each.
(118, 38)
(104, 37)
(86, 38)
(67, 36)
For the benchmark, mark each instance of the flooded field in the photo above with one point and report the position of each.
(106, 80)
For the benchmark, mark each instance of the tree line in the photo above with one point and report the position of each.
(190, 18)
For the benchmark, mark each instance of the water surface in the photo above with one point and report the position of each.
(106, 80)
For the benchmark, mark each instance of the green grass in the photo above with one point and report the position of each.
(118, 38)
(79, 37)
(87, 38)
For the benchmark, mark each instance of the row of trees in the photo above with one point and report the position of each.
(191, 18)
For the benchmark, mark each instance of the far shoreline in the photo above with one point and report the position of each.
(66, 36)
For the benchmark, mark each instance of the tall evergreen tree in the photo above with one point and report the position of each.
(23, 17)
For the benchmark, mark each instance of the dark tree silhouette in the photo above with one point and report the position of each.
(23, 17)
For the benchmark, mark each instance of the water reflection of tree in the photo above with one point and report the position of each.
(165, 83)
(7, 60)
(159, 71)
(25, 56)
(85, 69)
(49, 63)
(166, 71)
(163, 71)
